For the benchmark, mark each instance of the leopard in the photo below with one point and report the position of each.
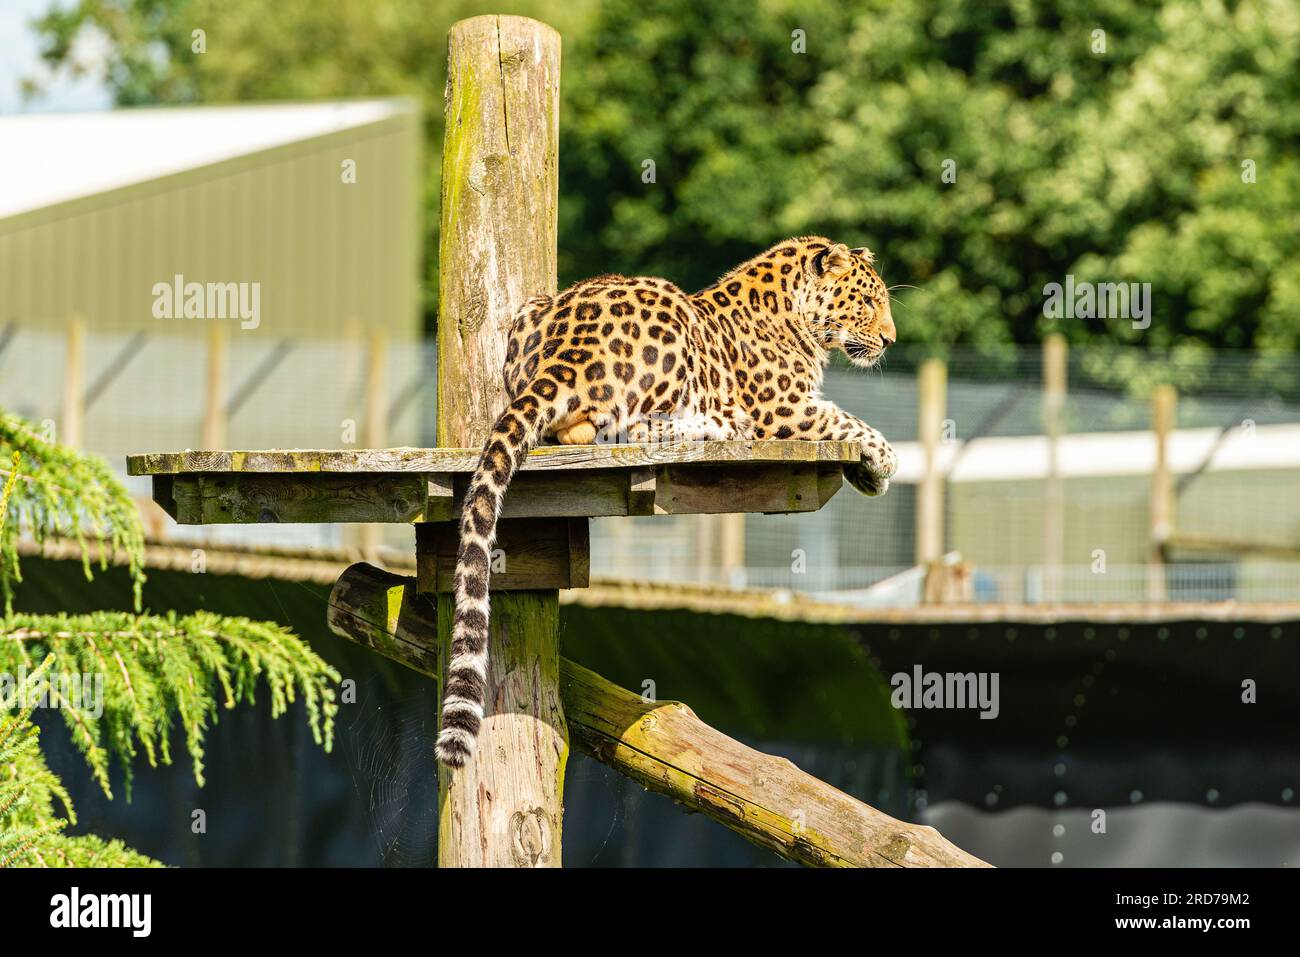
(636, 359)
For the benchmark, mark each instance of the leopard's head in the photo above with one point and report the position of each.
(846, 304)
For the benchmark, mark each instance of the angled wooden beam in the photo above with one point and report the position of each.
(665, 747)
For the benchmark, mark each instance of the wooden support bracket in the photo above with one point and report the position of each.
(530, 554)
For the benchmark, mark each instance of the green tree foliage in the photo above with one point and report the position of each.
(1113, 156)
(57, 491)
(1102, 138)
(163, 669)
(121, 682)
(715, 96)
(34, 805)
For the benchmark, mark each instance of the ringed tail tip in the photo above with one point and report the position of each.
(455, 747)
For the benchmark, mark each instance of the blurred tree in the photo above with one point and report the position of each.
(1103, 138)
(715, 96)
(1113, 155)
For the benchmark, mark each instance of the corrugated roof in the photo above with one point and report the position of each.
(52, 158)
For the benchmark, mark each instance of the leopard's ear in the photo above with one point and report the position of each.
(865, 254)
(834, 261)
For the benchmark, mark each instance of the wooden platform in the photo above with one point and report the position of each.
(426, 485)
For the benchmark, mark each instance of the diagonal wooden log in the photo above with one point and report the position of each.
(664, 747)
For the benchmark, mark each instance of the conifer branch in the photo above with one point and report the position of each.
(63, 492)
(119, 680)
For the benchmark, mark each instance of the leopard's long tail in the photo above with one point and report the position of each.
(514, 434)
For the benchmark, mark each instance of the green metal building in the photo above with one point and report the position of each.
(297, 228)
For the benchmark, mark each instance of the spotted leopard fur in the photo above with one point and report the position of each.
(638, 360)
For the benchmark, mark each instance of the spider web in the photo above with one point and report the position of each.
(389, 744)
(388, 737)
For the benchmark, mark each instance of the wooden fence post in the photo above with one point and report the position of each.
(497, 248)
(932, 401)
(74, 384)
(374, 424)
(214, 393)
(706, 557)
(1054, 385)
(1164, 417)
(731, 544)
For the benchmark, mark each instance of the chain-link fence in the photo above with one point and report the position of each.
(1045, 474)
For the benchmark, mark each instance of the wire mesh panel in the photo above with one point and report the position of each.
(1034, 518)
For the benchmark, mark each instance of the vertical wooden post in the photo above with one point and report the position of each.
(497, 248)
(214, 393)
(731, 543)
(1164, 416)
(352, 373)
(374, 424)
(706, 558)
(74, 384)
(932, 401)
(1054, 385)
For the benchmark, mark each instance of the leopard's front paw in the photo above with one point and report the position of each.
(872, 474)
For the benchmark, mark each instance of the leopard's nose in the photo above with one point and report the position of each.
(888, 333)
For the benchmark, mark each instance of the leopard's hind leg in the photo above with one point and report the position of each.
(582, 432)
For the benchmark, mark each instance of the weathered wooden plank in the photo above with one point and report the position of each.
(662, 490)
(664, 746)
(194, 498)
(187, 502)
(530, 554)
(231, 498)
(551, 457)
